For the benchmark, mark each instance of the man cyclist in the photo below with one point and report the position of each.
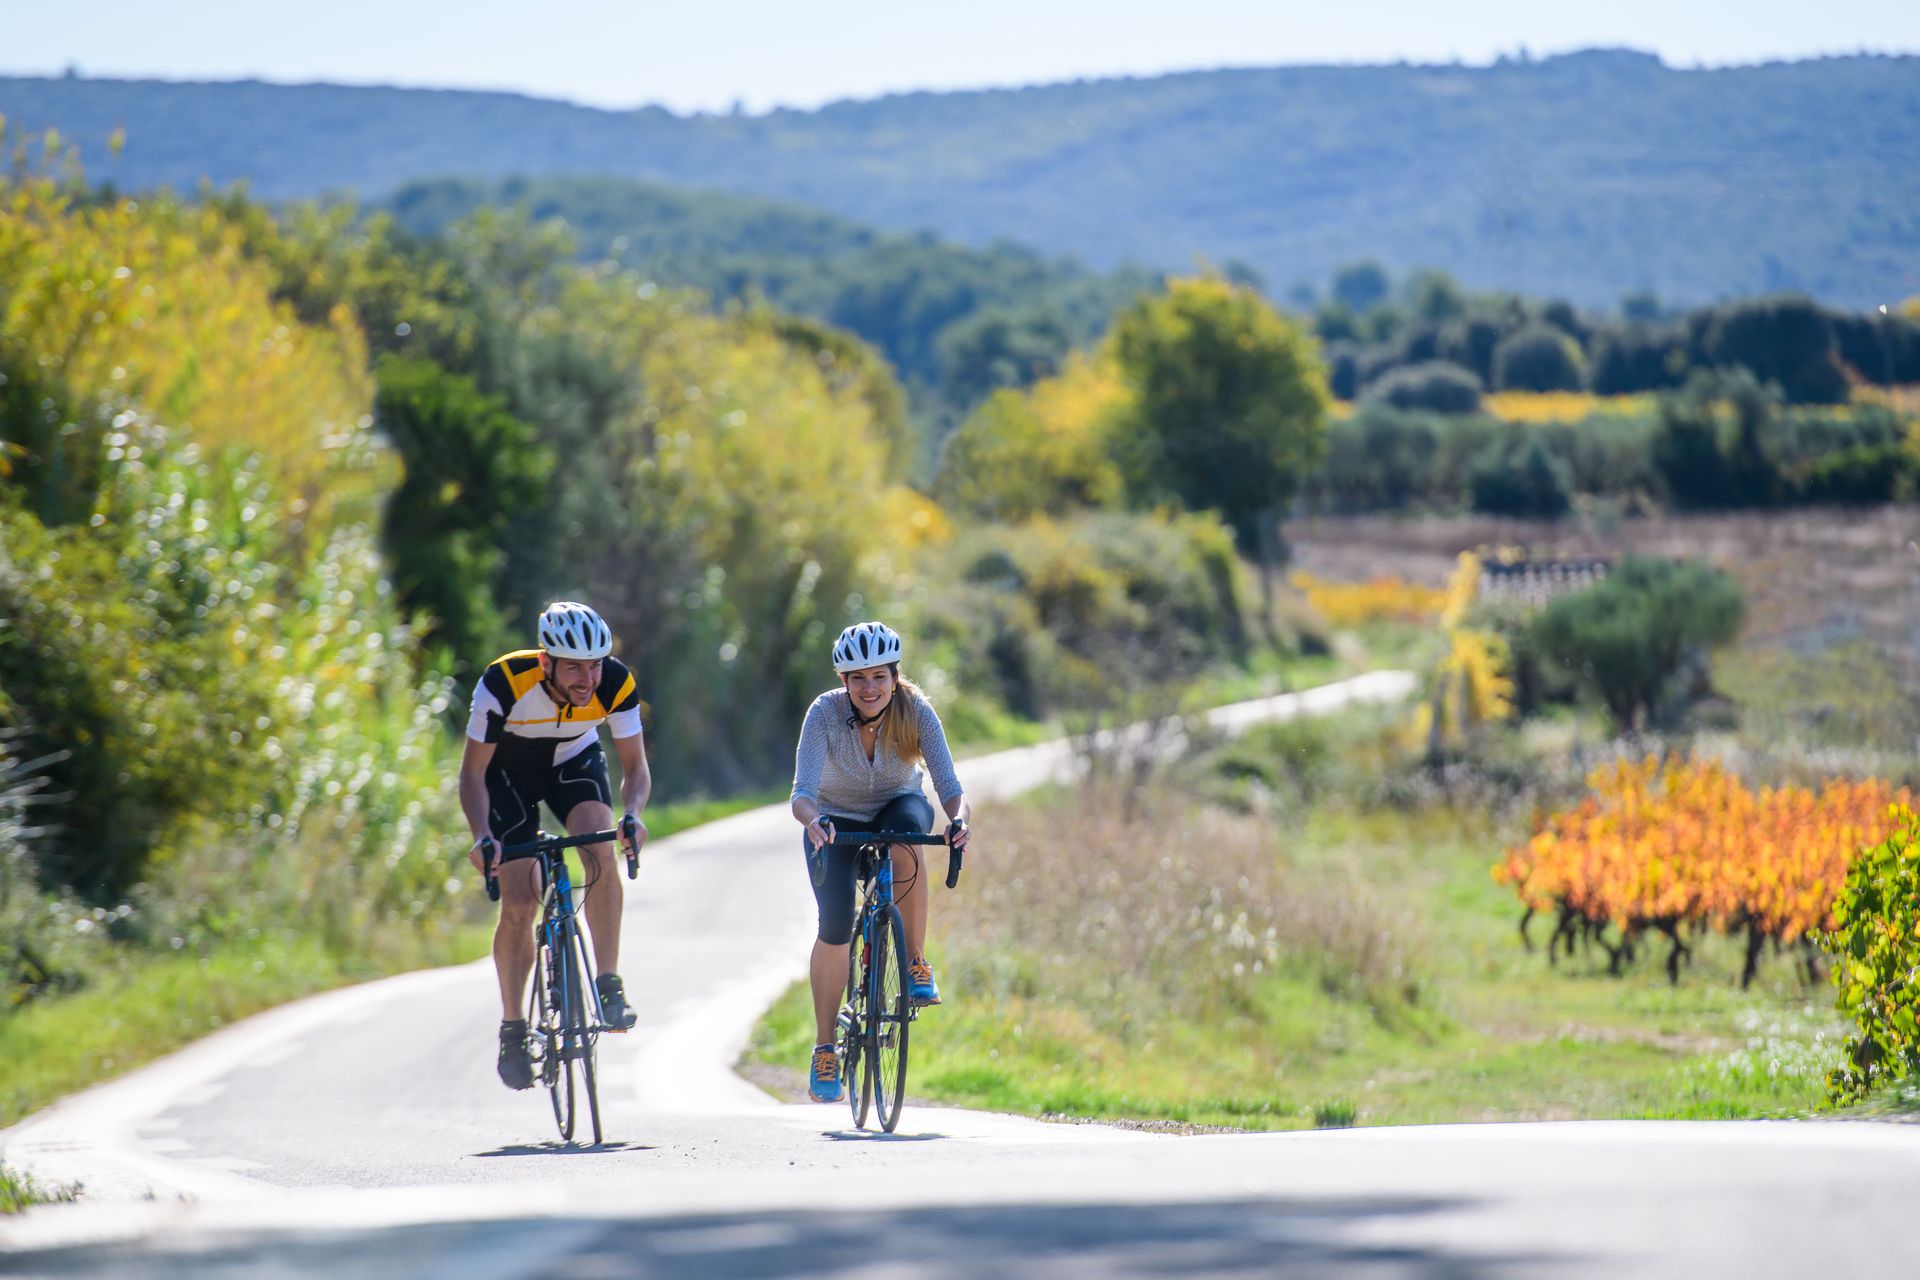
(533, 736)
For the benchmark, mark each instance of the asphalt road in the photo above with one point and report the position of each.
(362, 1133)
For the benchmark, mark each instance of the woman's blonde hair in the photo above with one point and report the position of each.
(902, 729)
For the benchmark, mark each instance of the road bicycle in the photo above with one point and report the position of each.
(564, 1019)
(876, 1016)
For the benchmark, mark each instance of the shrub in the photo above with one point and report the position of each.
(1539, 358)
(1627, 639)
(1521, 479)
(1875, 944)
(1435, 385)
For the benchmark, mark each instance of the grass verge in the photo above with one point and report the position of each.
(1449, 1019)
(147, 1004)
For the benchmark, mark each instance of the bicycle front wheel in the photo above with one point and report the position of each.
(546, 1020)
(583, 1023)
(855, 1078)
(892, 1018)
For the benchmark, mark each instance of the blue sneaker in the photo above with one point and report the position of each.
(823, 1077)
(922, 990)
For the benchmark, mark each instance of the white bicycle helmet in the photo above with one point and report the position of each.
(866, 644)
(569, 629)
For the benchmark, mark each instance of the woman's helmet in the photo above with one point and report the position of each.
(572, 630)
(866, 644)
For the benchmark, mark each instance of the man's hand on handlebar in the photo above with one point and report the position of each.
(483, 855)
(633, 835)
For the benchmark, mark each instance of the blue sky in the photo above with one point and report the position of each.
(707, 56)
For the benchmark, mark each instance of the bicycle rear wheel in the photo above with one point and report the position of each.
(892, 1018)
(583, 1021)
(855, 1078)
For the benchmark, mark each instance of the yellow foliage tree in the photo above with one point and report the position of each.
(1042, 451)
(156, 305)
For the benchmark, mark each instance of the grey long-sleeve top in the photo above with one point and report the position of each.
(831, 768)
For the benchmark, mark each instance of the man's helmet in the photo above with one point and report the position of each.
(866, 644)
(572, 630)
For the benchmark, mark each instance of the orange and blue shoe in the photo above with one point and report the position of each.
(823, 1076)
(922, 990)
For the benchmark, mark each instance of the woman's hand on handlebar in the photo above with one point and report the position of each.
(820, 831)
(958, 832)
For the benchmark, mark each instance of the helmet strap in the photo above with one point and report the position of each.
(878, 716)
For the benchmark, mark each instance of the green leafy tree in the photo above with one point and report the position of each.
(1230, 405)
(1434, 385)
(1539, 357)
(1627, 640)
(1361, 286)
(470, 468)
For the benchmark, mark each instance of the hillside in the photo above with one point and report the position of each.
(954, 321)
(1586, 176)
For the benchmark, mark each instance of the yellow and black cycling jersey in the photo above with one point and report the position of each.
(511, 703)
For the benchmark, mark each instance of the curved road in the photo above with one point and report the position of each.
(362, 1133)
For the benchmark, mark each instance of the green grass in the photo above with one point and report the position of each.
(20, 1191)
(1493, 1032)
(148, 1006)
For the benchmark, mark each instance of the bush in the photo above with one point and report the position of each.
(1710, 462)
(1538, 358)
(1435, 385)
(1071, 613)
(1875, 944)
(1521, 480)
(1628, 639)
(1787, 341)
(1865, 473)
(1633, 358)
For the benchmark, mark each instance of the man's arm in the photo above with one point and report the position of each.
(473, 795)
(636, 783)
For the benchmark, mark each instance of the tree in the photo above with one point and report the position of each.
(1039, 452)
(1230, 405)
(470, 467)
(1435, 385)
(1361, 286)
(1435, 296)
(1787, 340)
(1628, 639)
(1538, 358)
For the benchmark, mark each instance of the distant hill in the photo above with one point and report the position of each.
(954, 321)
(1587, 175)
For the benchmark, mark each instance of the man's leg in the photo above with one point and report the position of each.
(604, 872)
(513, 935)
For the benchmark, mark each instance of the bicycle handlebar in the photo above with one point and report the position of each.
(491, 853)
(855, 839)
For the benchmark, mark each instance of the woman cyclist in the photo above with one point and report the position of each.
(859, 768)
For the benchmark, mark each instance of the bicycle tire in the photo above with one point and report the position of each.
(546, 1009)
(892, 1017)
(854, 1076)
(587, 1040)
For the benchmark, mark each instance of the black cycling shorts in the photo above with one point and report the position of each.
(831, 869)
(518, 781)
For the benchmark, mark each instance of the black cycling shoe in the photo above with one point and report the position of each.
(614, 1009)
(516, 1065)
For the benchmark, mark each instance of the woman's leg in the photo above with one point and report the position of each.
(910, 892)
(828, 974)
